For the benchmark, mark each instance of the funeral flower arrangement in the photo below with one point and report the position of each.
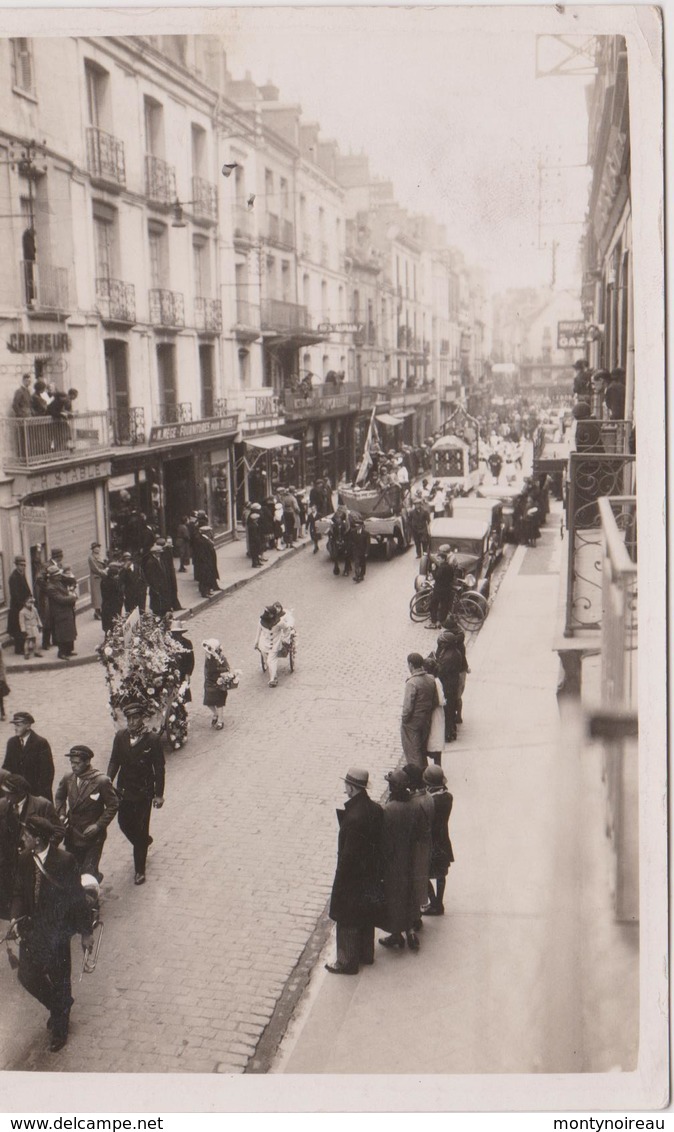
(140, 658)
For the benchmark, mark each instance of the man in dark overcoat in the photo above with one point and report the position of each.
(354, 890)
(359, 539)
(205, 560)
(29, 755)
(17, 804)
(138, 758)
(51, 907)
(86, 802)
(19, 590)
(154, 569)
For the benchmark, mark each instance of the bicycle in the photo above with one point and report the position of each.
(470, 607)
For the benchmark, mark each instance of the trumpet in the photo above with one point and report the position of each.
(90, 958)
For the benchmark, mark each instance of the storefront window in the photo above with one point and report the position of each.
(130, 495)
(218, 491)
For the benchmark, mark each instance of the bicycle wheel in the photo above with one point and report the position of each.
(470, 611)
(420, 605)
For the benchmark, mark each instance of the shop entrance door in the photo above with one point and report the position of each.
(179, 491)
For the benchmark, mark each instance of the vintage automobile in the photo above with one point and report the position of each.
(506, 495)
(384, 512)
(470, 540)
(492, 510)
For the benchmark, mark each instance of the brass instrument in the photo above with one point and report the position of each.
(90, 958)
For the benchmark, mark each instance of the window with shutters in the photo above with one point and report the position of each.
(23, 73)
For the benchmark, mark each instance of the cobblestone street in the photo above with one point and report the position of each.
(192, 964)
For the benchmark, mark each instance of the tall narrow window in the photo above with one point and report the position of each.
(103, 237)
(23, 73)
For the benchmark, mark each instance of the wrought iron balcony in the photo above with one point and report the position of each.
(208, 315)
(33, 442)
(244, 231)
(220, 408)
(105, 157)
(127, 426)
(115, 300)
(45, 288)
(278, 315)
(204, 199)
(591, 476)
(160, 181)
(174, 412)
(167, 308)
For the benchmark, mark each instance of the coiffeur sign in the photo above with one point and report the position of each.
(39, 343)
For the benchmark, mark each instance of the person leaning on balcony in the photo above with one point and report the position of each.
(21, 403)
(614, 395)
(39, 399)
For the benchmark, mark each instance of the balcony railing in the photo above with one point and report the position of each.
(591, 477)
(167, 308)
(247, 314)
(45, 288)
(618, 517)
(243, 224)
(204, 199)
(115, 300)
(34, 442)
(127, 426)
(174, 412)
(105, 156)
(208, 315)
(278, 315)
(160, 180)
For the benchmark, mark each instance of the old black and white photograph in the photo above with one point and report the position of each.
(332, 457)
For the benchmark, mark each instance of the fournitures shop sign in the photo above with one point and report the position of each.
(189, 429)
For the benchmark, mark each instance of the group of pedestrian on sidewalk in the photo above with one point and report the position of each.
(50, 894)
(388, 857)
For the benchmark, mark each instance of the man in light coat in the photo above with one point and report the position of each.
(420, 698)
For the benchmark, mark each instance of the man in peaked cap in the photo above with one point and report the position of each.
(29, 754)
(86, 802)
(17, 804)
(353, 900)
(50, 905)
(138, 758)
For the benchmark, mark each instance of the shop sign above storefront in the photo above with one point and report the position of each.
(340, 327)
(189, 429)
(37, 516)
(64, 477)
(39, 343)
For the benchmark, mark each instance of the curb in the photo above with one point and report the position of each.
(185, 615)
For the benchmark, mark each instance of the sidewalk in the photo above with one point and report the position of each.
(235, 571)
(527, 971)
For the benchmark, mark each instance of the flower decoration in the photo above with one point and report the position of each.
(141, 661)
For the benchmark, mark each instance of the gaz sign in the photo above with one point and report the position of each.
(571, 335)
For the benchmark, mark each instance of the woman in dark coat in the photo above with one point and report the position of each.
(441, 850)
(450, 661)
(402, 828)
(215, 695)
(62, 601)
(420, 799)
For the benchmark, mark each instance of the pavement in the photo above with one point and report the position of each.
(235, 571)
(527, 972)
(194, 964)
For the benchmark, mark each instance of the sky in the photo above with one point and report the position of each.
(455, 117)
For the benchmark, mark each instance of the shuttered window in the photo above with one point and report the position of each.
(22, 65)
(71, 524)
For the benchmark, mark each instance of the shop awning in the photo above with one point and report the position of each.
(407, 412)
(271, 440)
(389, 420)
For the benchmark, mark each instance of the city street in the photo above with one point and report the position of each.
(193, 963)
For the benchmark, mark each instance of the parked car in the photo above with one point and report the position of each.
(471, 542)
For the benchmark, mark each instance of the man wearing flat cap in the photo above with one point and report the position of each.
(86, 802)
(30, 755)
(17, 804)
(138, 758)
(50, 905)
(354, 890)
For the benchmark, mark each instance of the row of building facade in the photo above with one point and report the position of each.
(230, 295)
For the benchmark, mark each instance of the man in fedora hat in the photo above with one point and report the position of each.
(138, 758)
(19, 591)
(50, 906)
(17, 804)
(86, 802)
(353, 904)
(29, 755)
